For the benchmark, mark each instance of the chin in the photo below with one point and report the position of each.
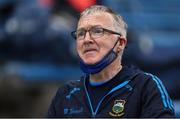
(90, 61)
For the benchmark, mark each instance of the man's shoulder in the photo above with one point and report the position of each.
(148, 82)
(71, 84)
(143, 78)
(136, 73)
(148, 77)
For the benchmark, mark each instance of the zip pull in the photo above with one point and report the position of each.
(93, 114)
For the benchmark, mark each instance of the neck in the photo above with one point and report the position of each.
(107, 73)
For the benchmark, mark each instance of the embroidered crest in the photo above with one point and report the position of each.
(118, 108)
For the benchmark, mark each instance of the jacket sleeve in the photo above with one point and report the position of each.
(155, 99)
(55, 109)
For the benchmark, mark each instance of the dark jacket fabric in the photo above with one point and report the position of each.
(131, 93)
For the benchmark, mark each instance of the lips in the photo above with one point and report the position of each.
(89, 50)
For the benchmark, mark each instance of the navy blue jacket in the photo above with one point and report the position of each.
(131, 93)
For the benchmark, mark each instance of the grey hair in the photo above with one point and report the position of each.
(120, 24)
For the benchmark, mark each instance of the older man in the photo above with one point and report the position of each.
(108, 89)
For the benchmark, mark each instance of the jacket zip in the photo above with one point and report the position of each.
(102, 99)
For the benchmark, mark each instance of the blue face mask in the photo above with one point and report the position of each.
(97, 67)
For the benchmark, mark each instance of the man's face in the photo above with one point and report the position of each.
(93, 50)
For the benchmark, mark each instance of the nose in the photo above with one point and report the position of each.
(87, 36)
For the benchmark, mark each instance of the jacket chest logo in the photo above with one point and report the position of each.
(118, 108)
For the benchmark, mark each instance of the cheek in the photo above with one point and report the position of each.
(106, 46)
(78, 48)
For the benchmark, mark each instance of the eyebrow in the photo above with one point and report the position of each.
(83, 28)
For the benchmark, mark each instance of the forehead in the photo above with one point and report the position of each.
(99, 18)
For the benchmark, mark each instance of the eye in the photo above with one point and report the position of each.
(97, 30)
(81, 33)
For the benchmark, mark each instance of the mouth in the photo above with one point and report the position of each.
(89, 50)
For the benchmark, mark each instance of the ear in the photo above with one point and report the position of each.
(122, 43)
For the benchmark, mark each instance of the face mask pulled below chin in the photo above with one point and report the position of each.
(99, 66)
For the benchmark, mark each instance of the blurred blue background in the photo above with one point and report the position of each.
(37, 53)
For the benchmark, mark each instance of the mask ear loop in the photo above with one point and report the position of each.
(118, 50)
(115, 44)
